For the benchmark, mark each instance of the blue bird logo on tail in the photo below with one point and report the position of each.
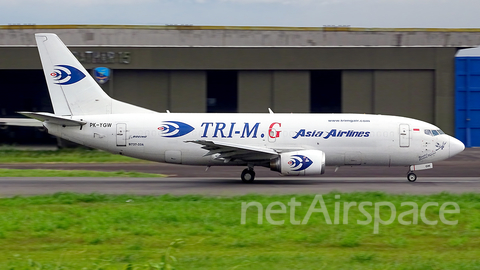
(65, 75)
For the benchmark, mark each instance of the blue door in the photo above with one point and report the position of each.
(467, 100)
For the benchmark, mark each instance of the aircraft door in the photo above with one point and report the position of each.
(404, 135)
(121, 134)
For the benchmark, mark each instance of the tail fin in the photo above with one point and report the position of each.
(72, 90)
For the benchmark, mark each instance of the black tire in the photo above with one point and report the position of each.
(248, 175)
(411, 177)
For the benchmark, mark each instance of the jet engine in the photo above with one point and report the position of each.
(304, 162)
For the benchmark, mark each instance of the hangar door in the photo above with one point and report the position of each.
(407, 93)
(222, 88)
(326, 91)
(467, 100)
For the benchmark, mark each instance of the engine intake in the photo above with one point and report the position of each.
(304, 162)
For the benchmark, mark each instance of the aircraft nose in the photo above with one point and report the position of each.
(456, 146)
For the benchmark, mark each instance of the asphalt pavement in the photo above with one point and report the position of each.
(10, 186)
(458, 174)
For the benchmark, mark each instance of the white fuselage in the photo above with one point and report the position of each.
(346, 139)
(292, 144)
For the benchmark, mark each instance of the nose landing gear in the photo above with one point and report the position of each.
(411, 177)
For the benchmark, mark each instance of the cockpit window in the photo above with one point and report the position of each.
(433, 132)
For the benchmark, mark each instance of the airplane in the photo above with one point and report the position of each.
(291, 144)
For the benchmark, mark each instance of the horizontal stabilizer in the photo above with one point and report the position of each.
(54, 119)
(20, 122)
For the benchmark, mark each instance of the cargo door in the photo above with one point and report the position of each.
(121, 134)
(404, 135)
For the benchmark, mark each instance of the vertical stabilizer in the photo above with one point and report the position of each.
(72, 90)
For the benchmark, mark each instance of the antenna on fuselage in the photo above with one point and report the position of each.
(270, 111)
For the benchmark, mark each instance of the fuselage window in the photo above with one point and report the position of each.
(427, 131)
(435, 133)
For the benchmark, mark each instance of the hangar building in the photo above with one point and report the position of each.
(407, 72)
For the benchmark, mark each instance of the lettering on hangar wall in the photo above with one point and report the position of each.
(101, 57)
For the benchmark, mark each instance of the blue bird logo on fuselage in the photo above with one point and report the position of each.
(299, 162)
(173, 129)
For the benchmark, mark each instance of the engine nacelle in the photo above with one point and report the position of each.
(304, 162)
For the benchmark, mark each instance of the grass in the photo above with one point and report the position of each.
(75, 155)
(71, 173)
(95, 231)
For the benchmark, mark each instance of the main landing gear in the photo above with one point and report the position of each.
(248, 175)
(411, 177)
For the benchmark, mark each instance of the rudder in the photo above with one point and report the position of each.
(72, 90)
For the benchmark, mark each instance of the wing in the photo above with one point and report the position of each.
(231, 151)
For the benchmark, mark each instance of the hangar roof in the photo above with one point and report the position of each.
(190, 35)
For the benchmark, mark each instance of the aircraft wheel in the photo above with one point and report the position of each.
(412, 177)
(248, 175)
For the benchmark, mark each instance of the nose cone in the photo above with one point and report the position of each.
(456, 146)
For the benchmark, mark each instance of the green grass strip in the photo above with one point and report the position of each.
(76, 155)
(96, 231)
(71, 173)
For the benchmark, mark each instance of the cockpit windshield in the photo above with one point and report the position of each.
(433, 132)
